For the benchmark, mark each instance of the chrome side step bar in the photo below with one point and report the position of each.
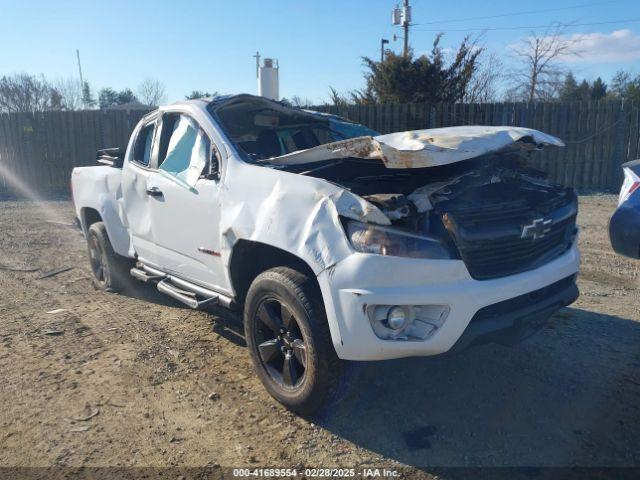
(144, 276)
(186, 297)
(184, 291)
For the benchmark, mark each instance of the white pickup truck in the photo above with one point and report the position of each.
(336, 243)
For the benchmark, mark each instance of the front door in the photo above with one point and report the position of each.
(185, 212)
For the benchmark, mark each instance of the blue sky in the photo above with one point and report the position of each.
(208, 45)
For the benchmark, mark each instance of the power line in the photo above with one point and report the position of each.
(532, 27)
(529, 12)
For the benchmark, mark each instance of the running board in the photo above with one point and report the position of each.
(182, 290)
(144, 276)
(184, 296)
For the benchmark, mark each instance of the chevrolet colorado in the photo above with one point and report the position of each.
(336, 243)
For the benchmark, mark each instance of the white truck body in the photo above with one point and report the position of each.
(193, 229)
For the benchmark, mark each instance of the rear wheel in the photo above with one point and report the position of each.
(110, 270)
(288, 337)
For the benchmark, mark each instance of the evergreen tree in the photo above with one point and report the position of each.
(598, 89)
(108, 97)
(633, 90)
(126, 96)
(584, 91)
(428, 78)
(56, 102)
(195, 94)
(87, 96)
(569, 89)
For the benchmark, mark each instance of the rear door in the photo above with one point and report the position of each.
(185, 213)
(136, 172)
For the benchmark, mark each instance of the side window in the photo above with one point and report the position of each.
(142, 147)
(184, 148)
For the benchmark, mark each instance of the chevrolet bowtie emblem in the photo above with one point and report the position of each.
(537, 229)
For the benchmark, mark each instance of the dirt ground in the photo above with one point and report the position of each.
(95, 379)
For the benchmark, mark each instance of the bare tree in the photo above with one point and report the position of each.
(70, 92)
(152, 92)
(540, 75)
(24, 93)
(485, 81)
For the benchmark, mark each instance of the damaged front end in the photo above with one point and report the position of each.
(496, 214)
(462, 193)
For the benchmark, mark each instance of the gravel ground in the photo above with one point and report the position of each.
(95, 379)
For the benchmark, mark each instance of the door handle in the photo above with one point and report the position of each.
(154, 192)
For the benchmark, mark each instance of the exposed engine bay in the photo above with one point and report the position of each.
(495, 212)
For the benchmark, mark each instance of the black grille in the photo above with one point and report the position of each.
(489, 238)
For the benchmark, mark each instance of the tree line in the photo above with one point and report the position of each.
(472, 74)
(24, 92)
(468, 73)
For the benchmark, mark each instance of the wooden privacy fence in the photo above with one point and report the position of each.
(599, 136)
(39, 150)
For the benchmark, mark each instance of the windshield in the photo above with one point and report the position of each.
(263, 129)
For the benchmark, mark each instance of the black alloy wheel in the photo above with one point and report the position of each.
(98, 261)
(110, 270)
(289, 341)
(280, 343)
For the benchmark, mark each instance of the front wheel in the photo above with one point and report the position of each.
(289, 340)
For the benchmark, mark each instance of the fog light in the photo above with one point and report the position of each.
(406, 322)
(397, 318)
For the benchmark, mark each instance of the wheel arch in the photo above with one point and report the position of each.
(89, 216)
(250, 258)
(106, 212)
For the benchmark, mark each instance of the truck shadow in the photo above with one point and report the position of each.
(568, 396)
(148, 292)
(225, 323)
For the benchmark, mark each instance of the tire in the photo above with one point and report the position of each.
(294, 356)
(110, 270)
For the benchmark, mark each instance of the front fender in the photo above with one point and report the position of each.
(295, 213)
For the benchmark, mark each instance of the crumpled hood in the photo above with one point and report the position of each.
(425, 148)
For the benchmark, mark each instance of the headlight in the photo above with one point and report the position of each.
(367, 238)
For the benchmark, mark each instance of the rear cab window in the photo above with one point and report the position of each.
(143, 145)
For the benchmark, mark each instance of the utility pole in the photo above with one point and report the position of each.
(383, 42)
(257, 57)
(402, 17)
(79, 67)
(81, 79)
(406, 18)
